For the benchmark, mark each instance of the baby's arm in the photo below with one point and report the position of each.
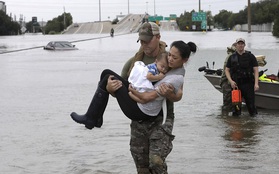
(154, 78)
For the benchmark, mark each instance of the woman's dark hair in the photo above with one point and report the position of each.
(185, 49)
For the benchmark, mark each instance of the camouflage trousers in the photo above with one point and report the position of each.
(150, 144)
(227, 97)
(228, 106)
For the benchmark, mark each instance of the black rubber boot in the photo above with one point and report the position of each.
(252, 111)
(236, 111)
(94, 115)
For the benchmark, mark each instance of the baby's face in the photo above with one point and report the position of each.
(162, 66)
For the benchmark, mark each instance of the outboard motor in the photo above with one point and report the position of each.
(262, 72)
(203, 68)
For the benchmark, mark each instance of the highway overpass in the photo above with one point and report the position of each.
(129, 24)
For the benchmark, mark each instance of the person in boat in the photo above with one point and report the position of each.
(242, 73)
(224, 83)
(150, 142)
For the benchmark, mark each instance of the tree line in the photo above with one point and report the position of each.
(54, 26)
(265, 11)
(7, 26)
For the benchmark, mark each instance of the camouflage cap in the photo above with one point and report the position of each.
(147, 31)
(240, 40)
(231, 49)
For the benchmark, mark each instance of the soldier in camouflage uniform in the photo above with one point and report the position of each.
(150, 142)
(225, 85)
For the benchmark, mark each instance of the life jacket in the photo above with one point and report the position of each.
(241, 68)
(268, 78)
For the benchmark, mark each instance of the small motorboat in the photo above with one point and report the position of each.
(267, 97)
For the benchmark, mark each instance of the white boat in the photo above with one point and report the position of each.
(266, 97)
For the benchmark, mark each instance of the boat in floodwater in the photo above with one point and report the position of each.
(267, 97)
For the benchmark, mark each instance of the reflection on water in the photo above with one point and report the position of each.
(241, 133)
(246, 148)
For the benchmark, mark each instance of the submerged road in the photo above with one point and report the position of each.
(129, 24)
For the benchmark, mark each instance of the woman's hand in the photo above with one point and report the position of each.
(142, 97)
(167, 91)
(113, 85)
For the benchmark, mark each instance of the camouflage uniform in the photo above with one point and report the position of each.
(150, 142)
(225, 85)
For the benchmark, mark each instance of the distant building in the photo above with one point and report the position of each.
(2, 6)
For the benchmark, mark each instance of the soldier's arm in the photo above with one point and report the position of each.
(228, 75)
(256, 76)
(126, 68)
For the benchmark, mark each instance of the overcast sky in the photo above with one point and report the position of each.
(88, 10)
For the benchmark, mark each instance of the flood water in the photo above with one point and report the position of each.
(39, 89)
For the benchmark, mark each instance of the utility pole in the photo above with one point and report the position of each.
(249, 16)
(128, 7)
(64, 19)
(100, 10)
(199, 5)
(154, 9)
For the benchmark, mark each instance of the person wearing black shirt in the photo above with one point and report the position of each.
(242, 73)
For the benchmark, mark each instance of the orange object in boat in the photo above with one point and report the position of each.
(236, 96)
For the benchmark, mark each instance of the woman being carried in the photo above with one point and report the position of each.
(149, 106)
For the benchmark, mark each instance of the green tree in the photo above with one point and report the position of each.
(242, 16)
(185, 23)
(115, 21)
(232, 20)
(275, 31)
(54, 25)
(221, 19)
(28, 26)
(7, 26)
(263, 11)
(33, 28)
(57, 25)
(210, 19)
